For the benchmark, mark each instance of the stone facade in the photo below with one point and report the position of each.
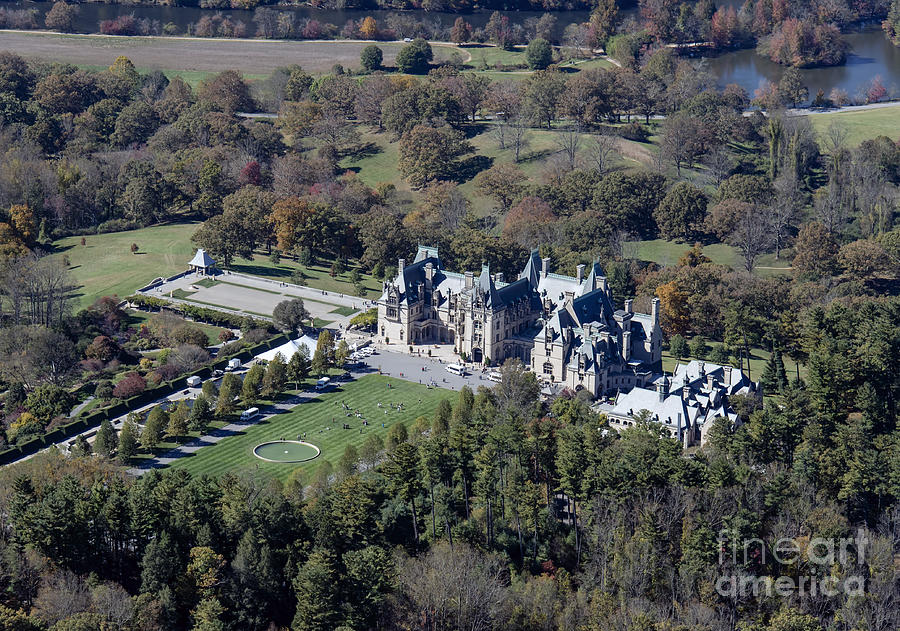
(686, 403)
(566, 329)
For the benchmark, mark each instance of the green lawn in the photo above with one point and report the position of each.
(862, 124)
(668, 252)
(758, 359)
(106, 266)
(234, 453)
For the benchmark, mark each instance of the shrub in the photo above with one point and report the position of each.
(133, 384)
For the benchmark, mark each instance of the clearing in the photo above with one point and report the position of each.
(194, 58)
(862, 124)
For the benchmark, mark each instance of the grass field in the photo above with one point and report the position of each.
(862, 124)
(196, 58)
(758, 359)
(234, 453)
(105, 265)
(136, 318)
(668, 252)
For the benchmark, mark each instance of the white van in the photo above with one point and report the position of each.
(249, 413)
(456, 369)
(495, 376)
(323, 383)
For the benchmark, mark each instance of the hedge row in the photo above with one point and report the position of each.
(123, 407)
(201, 314)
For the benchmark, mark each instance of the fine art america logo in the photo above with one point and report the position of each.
(792, 566)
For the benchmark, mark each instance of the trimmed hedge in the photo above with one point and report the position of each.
(195, 312)
(123, 407)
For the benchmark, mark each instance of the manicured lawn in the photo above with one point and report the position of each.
(106, 266)
(234, 453)
(862, 124)
(668, 252)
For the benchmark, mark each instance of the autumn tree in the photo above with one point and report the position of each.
(815, 252)
(431, 153)
(529, 223)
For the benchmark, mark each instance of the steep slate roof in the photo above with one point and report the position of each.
(202, 259)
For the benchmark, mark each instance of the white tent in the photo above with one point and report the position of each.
(290, 347)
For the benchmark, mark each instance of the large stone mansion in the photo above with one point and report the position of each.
(566, 329)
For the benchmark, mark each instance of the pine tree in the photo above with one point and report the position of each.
(128, 439)
(252, 383)
(107, 439)
(781, 378)
(769, 377)
(81, 448)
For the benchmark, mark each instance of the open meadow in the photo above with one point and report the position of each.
(862, 124)
(235, 453)
(196, 58)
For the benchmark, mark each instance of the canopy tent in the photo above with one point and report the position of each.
(290, 347)
(202, 262)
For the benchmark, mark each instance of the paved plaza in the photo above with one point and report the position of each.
(251, 295)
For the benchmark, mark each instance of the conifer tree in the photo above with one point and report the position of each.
(107, 439)
(178, 419)
(128, 439)
(156, 423)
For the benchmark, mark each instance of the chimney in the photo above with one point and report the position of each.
(429, 273)
(470, 280)
(579, 273)
(602, 284)
(663, 388)
(679, 427)
(498, 277)
(545, 267)
(654, 310)
(626, 345)
(702, 365)
(629, 306)
(727, 375)
(710, 381)
(400, 265)
(686, 392)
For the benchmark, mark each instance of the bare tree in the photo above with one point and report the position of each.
(518, 137)
(569, 141)
(751, 236)
(830, 208)
(453, 588)
(719, 165)
(601, 149)
(783, 210)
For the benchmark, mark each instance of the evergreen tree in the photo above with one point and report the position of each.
(781, 377)
(107, 439)
(210, 391)
(317, 601)
(81, 448)
(128, 439)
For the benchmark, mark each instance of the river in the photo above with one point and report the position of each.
(872, 53)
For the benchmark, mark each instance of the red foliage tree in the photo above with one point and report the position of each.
(133, 384)
(251, 174)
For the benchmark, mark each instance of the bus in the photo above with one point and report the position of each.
(249, 413)
(456, 369)
(323, 383)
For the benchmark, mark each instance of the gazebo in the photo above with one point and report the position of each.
(202, 262)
